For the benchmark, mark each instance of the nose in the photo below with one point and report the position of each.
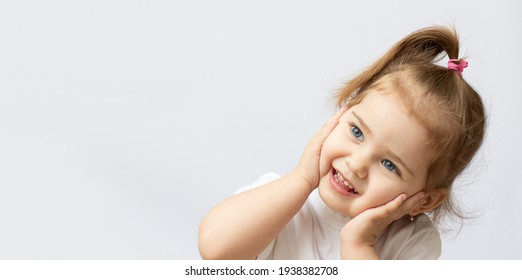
(358, 163)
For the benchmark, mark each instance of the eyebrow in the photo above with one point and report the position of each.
(400, 161)
(394, 157)
(363, 124)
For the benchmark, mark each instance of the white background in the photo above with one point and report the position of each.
(123, 122)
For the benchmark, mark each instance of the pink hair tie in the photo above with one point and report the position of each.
(457, 65)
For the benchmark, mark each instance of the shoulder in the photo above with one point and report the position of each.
(263, 179)
(412, 240)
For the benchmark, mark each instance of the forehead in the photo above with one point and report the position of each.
(416, 99)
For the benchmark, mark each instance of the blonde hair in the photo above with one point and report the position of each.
(449, 108)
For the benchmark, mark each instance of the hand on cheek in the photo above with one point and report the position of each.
(311, 167)
(365, 228)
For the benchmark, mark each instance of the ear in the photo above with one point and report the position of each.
(433, 199)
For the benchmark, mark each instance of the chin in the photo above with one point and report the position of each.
(333, 200)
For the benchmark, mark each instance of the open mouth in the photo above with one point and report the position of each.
(342, 183)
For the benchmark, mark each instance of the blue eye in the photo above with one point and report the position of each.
(357, 133)
(389, 165)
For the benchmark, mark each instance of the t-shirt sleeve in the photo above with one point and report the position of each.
(263, 179)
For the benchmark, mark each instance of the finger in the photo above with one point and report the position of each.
(414, 201)
(411, 205)
(402, 205)
(317, 141)
(392, 208)
(331, 123)
(328, 127)
(338, 115)
(342, 110)
(389, 210)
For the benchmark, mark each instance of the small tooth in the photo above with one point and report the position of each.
(340, 179)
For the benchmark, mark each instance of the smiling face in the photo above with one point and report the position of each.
(376, 152)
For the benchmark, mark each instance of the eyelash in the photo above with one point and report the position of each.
(354, 129)
(396, 170)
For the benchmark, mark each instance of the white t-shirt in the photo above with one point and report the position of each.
(313, 233)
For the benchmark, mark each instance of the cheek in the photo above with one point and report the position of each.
(383, 195)
(332, 148)
(335, 145)
(386, 191)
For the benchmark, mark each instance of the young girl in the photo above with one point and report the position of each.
(406, 128)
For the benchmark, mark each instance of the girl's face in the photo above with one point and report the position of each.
(376, 152)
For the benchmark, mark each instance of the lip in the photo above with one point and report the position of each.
(338, 187)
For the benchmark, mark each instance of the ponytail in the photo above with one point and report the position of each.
(424, 46)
